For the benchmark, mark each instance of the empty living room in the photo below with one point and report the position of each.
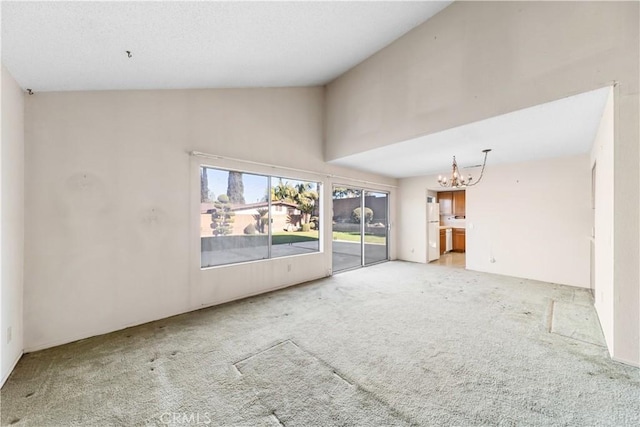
(320, 213)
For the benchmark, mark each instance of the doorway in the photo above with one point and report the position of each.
(449, 232)
(360, 228)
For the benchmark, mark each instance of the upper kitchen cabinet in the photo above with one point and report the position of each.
(445, 198)
(459, 207)
(452, 203)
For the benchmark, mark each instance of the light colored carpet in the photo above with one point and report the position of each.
(393, 344)
(576, 321)
(301, 389)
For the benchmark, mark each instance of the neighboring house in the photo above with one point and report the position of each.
(284, 216)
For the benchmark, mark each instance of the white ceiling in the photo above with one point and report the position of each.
(57, 46)
(560, 128)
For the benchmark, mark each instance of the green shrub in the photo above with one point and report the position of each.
(306, 227)
(222, 217)
(315, 223)
(356, 214)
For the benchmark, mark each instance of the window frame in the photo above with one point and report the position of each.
(270, 179)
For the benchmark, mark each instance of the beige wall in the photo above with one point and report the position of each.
(476, 60)
(12, 231)
(113, 202)
(534, 220)
(519, 216)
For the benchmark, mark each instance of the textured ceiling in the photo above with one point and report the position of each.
(55, 46)
(560, 128)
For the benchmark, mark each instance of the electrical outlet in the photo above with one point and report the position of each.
(289, 268)
(8, 334)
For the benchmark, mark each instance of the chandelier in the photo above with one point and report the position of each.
(457, 179)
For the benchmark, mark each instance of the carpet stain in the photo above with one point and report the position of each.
(277, 420)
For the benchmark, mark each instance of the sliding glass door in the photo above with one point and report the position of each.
(376, 208)
(347, 228)
(360, 227)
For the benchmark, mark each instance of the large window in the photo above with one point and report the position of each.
(248, 217)
(295, 219)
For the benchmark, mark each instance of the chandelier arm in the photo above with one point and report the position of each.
(484, 163)
(457, 179)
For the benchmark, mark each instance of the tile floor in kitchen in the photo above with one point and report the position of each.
(451, 259)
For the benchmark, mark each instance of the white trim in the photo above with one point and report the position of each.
(87, 335)
(626, 362)
(260, 292)
(13, 366)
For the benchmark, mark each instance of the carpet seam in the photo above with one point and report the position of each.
(235, 364)
(372, 395)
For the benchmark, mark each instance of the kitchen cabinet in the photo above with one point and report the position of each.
(459, 207)
(452, 203)
(459, 240)
(443, 241)
(445, 198)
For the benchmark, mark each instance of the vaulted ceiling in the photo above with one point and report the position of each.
(63, 46)
(58, 46)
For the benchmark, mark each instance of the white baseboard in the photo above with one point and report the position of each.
(78, 337)
(626, 362)
(15, 362)
(256, 293)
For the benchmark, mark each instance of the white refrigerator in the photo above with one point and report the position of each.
(433, 231)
